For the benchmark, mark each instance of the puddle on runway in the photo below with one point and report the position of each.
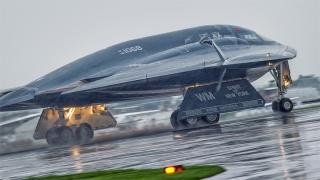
(75, 150)
(273, 147)
(202, 131)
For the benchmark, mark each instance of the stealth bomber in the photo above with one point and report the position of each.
(212, 66)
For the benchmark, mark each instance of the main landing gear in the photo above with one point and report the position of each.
(192, 122)
(281, 74)
(60, 134)
(64, 135)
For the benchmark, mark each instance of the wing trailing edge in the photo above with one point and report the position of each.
(17, 96)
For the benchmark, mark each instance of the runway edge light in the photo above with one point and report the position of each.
(173, 169)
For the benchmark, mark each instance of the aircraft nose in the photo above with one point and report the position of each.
(290, 52)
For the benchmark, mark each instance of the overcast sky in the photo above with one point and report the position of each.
(38, 36)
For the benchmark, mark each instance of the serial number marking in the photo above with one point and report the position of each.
(224, 108)
(193, 112)
(228, 107)
(250, 103)
(130, 50)
(234, 88)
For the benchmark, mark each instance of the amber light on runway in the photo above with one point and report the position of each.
(173, 169)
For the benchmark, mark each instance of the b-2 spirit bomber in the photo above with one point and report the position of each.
(211, 66)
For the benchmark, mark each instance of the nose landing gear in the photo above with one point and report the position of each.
(283, 105)
(281, 74)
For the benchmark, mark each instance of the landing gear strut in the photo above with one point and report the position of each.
(59, 133)
(281, 74)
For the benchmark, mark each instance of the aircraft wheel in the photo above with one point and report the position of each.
(285, 105)
(84, 132)
(275, 106)
(52, 136)
(174, 120)
(212, 118)
(66, 134)
(192, 122)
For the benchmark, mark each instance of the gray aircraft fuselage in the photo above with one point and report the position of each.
(154, 66)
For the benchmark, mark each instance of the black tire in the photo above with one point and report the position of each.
(275, 106)
(84, 132)
(185, 123)
(52, 136)
(174, 120)
(212, 118)
(285, 105)
(66, 134)
(191, 122)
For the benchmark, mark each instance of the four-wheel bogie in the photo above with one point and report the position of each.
(193, 122)
(61, 126)
(64, 135)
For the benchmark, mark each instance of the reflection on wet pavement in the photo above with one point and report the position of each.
(273, 147)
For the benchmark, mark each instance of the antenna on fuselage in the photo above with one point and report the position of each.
(220, 53)
(221, 56)
(203, 37)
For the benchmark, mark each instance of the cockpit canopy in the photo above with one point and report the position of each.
(235, 34)
(255, 38)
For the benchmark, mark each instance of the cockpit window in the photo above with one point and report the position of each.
(249, 37)
(230, 41)
(264, 38)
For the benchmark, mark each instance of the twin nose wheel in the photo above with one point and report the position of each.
(192, 122)
(283, 105)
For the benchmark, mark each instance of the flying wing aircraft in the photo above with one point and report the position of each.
(211, 66)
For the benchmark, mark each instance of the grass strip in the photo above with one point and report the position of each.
(305, 108)
(190, 173)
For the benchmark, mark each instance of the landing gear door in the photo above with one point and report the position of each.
(286, 74)
(100, 118)
(47, 119)
(232, 96)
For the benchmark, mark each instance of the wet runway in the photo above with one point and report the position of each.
(270, 147)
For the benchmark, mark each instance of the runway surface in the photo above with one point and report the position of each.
(270, 147)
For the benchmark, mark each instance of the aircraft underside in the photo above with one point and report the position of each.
(203, 102)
